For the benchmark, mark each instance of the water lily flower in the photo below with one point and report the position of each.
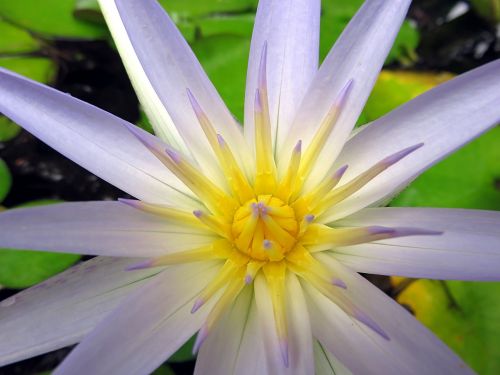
(253, 238)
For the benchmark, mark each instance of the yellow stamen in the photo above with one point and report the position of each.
(169, 213)
(219, 249)
(275, 273)
(338, 195)
(285, 188)
(214, 223)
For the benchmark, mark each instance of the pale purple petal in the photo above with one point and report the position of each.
(358, 55)
(148, 326)
(219, 353)
(96, 228)
(62, 310)
(290, 29)
(158, 56)
(91, 137)
(300, 355)
(411, 348)
(251, 358)
(444, 119)
(326, 363)
(468, 249)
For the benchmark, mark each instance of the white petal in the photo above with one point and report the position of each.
(148, 326)
(91, 137)
(358, 55)
(301, 358)
(326, 363)
(162, 67)
(220, 351)
(102, 228)
(412, 348)
(62, 310)
(468, 249)
(251, 358)
(444, 119)
(290, 29)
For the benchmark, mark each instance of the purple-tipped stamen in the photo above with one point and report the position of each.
(174, 155)
(340, 172)
(200, 339)
(284, 351)
(140, 266)
(262, 77)
(309, 218)
(248, 279)
(339, 282)
(370, 323)
(266, 244)
(197, 304)
(298, 147)
(394, 158)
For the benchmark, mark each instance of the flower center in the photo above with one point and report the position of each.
(265, 228)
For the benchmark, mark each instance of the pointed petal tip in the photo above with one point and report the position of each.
(200, 339)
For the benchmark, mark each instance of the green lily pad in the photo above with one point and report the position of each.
(51, 18)
(488, 9)
(469, 178)
(163, 370)
(24, 268)
(38, 68)
(185, 352)
(5, 180)
(394, 88)
(336, 14)
(226, 67)
(16, 40)
(238, 24)
(464, 315)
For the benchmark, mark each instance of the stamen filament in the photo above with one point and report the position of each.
(275, 273)
(234, 264)
(320, 237)
(211, 221)
(285, 188)
(232, 291)
(321, 136)
(219, 249)
(169, 213)
(338, 195)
